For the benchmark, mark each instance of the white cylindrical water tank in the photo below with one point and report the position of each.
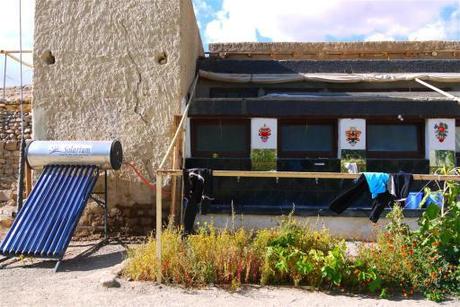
(103, 154)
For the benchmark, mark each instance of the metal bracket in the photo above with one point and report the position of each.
(104, 204)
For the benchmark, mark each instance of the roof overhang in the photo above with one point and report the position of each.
(328, 77)
(367, 105)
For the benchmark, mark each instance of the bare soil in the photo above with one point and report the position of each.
(32, 282)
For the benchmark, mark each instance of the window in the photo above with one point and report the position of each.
(220, 137)
(395, 140)
(307, 139)
(219, 92)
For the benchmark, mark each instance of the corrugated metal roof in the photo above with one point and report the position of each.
(45, 224)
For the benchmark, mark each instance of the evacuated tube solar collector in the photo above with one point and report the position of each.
(45, 224)
(102, 154)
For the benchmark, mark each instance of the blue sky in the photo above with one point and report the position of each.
(327, 20)
(281, 20)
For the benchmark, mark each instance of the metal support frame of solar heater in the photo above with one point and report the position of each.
(105, 240)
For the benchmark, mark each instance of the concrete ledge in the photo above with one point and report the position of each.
(349, 228)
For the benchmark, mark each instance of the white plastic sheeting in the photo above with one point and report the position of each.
(329, 77)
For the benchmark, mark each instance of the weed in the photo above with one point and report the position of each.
(423, 261)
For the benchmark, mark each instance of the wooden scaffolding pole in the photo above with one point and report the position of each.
(159, 207)
(159, 177)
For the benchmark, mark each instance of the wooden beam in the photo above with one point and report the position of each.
(181, 122)
(172, 209)
(159, 206)
(15, 51)
(306, 175)
(28, 179)
(175, 165)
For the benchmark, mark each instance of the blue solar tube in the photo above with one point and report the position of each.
(47, 221)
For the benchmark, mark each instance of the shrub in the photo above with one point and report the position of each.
(424, 261)
(299, 255)
(206, 257)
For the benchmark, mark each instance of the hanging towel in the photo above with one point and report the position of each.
(352, 167)
(377, 183)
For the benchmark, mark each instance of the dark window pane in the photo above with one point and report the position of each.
(307, 138)
(392, 138)
(232, 92)
(217, 138)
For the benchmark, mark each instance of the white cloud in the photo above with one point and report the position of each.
(201, 7)
(9, 37)
(9, 30)
(379, 37)
(319, 20)
(432, 31)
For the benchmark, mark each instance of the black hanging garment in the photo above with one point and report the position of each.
(197, 189)
(398, 188)
(399, 185)
(397, 191)
(379, 204)
(345, 199)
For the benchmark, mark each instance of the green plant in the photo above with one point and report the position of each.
(424, 261)
(263, 159)
(296, 254)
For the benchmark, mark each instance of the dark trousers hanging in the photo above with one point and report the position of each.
(383, 200)
(193, 194)
(346, 198)
(197, 188)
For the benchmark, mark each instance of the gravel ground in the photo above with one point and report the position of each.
(34, 283)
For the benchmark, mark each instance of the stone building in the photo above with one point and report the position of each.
(123, 69)
(115, 70)
(320, 107)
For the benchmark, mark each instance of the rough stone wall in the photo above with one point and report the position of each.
(120, 71)
(338, 50)
(10, 134)
(190, 36)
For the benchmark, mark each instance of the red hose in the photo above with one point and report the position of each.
(144, 180)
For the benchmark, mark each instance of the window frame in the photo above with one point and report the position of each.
(309, 154)
(195, 122)
(418, 154)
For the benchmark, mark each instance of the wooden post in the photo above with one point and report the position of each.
(176, 153)
(28, 178)
(158, 223)
(172, 212)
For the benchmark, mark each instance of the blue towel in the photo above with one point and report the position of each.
(377, 183)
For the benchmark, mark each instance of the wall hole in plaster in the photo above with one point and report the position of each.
(162, 58)
(47, 57)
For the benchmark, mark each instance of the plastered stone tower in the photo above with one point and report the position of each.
(114, 70)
